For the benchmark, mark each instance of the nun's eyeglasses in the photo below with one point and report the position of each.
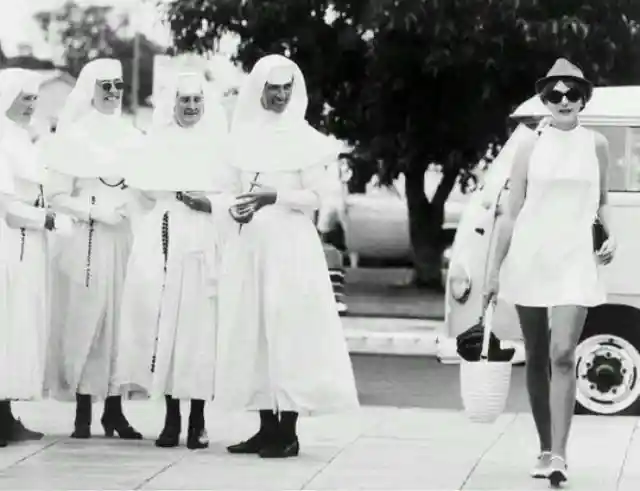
(108, 85)
(572, 95)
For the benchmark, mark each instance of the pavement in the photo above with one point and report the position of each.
(373, 448)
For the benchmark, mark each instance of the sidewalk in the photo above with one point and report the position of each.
(375, 448)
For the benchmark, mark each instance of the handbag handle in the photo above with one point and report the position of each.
(487, 324)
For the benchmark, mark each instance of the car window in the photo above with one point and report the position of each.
(621, 177)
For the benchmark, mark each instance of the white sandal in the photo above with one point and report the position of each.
(542, 469)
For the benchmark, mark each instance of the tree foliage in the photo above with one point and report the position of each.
(89, 32)
(416, 82)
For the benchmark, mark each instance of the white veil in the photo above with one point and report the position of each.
(264, 141)
(79, 101)
(16, 150)
(87, 143)
(172, 158)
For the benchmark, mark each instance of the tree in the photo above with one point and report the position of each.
(413, 83)
(89, 32)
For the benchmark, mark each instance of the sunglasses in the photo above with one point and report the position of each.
(572, 95)
(107, 85)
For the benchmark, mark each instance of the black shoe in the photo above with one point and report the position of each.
(20, 433)
(251, 446)
(119, 424)
(197, 438)
(169, 437)
(3, 442)
(81, 431)
(280, 450)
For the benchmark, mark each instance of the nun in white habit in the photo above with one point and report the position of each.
(168, 315)
(23, 253)
(85, 160)
(281, 347)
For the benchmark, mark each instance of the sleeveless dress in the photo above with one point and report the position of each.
(550, 261)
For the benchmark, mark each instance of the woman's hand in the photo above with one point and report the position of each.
(491, 289)
(607, 251)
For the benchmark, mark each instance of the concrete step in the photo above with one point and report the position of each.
(391, 336)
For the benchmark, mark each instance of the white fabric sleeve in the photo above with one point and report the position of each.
(315, 187)
(59, 193)
(20, 214)
(228, 187)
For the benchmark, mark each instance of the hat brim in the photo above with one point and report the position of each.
(586, 84)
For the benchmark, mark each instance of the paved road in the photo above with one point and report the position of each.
(408, 381)
(387, 292)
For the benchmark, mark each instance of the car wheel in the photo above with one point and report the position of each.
(608, 367)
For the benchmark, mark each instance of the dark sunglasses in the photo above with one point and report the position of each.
(107, 86)
(572, 95)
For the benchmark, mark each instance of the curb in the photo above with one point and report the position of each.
(391, 336)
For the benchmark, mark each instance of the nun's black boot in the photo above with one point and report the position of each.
(170, 435)
(5, 423)
(287, 444)
(197, 434)
(16, 431)
(267, 434)
(114, 421)
(82, 423)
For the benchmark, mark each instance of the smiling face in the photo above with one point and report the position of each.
(564, 99)
(189, 108)
(276, 97)
(23, 107)
(107, 95)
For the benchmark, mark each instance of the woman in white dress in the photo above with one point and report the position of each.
(281, 347)
(85, 159)
(545, 260)
(168, 314)
(23, 253)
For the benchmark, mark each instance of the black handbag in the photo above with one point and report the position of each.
(599, 235)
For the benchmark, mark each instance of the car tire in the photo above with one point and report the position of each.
(608, 362)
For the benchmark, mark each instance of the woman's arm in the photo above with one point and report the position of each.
(602, 151)
(515, 201)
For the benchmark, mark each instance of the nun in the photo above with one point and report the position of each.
(24, 227)
(281, 347)
(85, 160)
(169, 306)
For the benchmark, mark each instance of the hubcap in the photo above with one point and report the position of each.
(607, 371)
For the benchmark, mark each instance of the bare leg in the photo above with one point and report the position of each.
(567, 323)
(535, 330)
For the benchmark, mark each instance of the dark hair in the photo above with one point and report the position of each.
(572, 84)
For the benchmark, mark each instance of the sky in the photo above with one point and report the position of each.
(17, 25)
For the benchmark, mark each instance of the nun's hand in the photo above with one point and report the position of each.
(197, 203)
(262, 196)
(241, 214)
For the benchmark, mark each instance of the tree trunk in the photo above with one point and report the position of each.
(425, 227)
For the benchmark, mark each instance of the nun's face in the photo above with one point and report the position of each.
(189, 108)
(276, 97)
(107, 95)
(23, 107)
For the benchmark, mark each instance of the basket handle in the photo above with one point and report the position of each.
(487, 321)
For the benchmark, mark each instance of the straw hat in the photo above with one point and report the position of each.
(563, 69)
